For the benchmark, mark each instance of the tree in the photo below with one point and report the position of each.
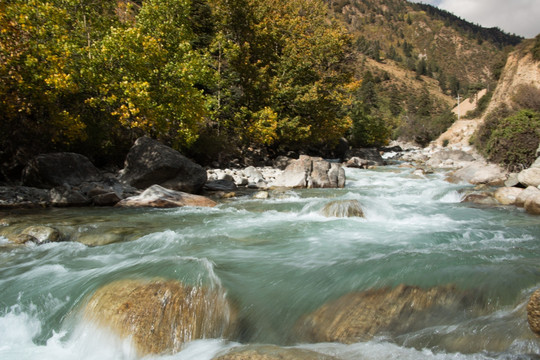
(147, 77)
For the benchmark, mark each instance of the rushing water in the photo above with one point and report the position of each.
(279, 259)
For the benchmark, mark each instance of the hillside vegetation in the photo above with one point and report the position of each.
(510, 132)
(217, 79)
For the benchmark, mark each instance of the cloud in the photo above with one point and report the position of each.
(521, 17)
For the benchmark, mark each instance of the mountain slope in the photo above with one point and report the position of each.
(425, 39)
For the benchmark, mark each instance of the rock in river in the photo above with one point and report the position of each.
(533, 312)
(272, 352)
(160, 315)
(311, 172)
(149, 162)
(360, 316)
(343, 208)
(157, 196)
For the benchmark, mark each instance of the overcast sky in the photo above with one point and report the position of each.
(521, 17)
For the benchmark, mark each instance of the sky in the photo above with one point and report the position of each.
(520, 17)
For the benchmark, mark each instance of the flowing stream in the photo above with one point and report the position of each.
(279, 259)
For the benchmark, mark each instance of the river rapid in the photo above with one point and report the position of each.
(279, 259)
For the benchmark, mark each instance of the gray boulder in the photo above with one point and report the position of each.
(369, 154)
(59, 169)
(220, 185)
(149, 162)
(311, 172)
(63, 196)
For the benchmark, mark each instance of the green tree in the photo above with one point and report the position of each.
(146, 77)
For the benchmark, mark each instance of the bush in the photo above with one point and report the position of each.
(513, 140)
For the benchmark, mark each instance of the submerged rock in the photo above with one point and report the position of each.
(272, 352)
(161, 315)
(157, 196)
(38, 234)
(480, 198)
(343, 208)
(533, 312)
(360, 316)
(149, 162)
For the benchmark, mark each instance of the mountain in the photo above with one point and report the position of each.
(426, 40)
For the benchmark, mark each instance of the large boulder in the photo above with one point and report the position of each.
(532, 204)
(479, 173)
(525, 194)
(149, 162)
(160, 315)
(530, 177)
(311, 172)
(507, 195)
(160, 197)
(59, 169)
(533, 312)
(272, 352)
(360, 316)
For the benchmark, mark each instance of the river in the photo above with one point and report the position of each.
(281, 258)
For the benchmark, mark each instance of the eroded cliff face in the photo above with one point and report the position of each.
(521, 69)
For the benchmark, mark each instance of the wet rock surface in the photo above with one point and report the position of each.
(533, 312)
(272, 352)
(343, 208)
(160, 315)
(160, 197)
(360, 316)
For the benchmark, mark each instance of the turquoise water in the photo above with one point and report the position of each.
(279, 259)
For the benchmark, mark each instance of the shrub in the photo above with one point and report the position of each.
(513, 140)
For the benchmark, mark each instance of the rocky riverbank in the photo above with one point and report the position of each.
(67, 179)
